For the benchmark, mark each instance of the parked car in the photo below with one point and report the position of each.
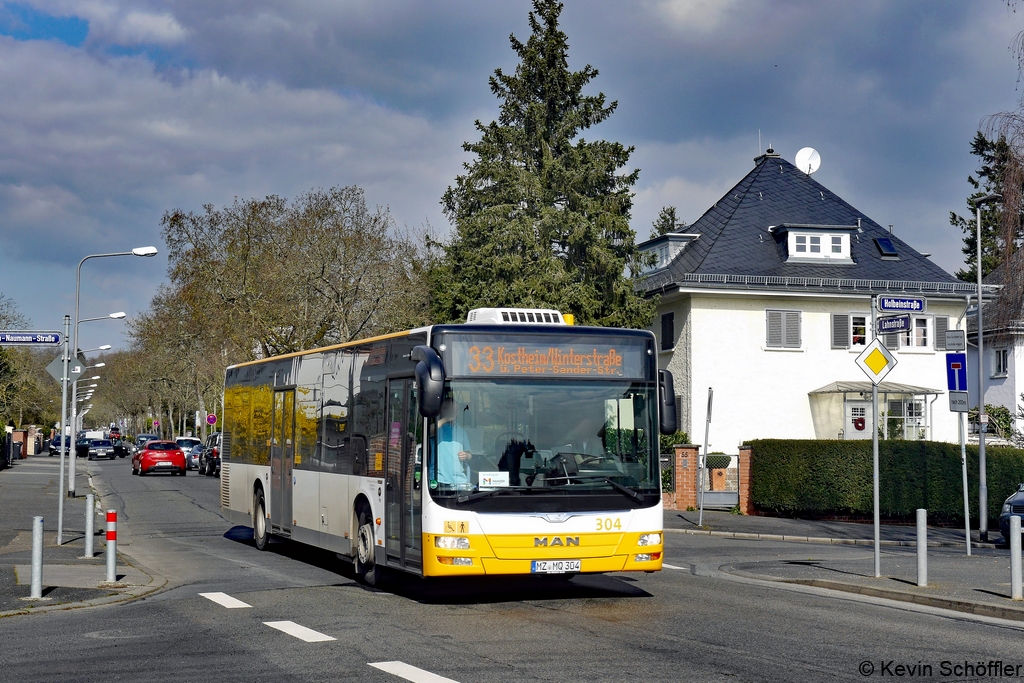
(1012, 507)
(159, 456)
(101, 448)
(192, 456)
(82, 447)
(56, 442)
(209, 460)
(141, 439)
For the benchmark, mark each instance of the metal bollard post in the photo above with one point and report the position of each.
(90, 516)
(1015, 571)
(37, 558)
(111, 546)
(922, 547)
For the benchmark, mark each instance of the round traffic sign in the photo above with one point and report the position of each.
(156, 423)
(211, 419)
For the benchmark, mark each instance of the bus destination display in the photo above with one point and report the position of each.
(476, 357)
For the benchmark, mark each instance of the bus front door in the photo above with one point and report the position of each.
(404, 496)
(282, 458)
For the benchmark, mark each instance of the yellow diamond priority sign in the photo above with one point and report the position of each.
(876, 361)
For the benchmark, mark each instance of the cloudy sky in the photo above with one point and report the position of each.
(115, 111)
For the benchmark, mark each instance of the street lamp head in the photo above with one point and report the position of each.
(144, 251)
(105, 347)
(118, 315)
(98, 365)
(987, 199)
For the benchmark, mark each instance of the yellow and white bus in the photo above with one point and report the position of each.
(556, 469)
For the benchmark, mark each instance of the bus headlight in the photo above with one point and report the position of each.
(649, 539)
(451, 542)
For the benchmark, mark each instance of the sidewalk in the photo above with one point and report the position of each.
(979, 584)
(29, 489)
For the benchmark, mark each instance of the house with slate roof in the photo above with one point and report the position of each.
(767, 299)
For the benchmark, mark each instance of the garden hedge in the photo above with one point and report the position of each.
(823, 478)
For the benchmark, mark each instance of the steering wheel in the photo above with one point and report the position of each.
(502, 441)
(596, 458)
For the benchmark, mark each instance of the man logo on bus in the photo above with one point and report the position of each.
(555, 541)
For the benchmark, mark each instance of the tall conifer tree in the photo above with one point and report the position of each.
(541, 218)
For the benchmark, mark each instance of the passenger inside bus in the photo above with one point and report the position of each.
(453, 453)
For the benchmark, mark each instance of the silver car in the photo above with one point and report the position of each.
(192, 457)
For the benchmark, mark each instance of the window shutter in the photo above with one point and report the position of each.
(941, 325)
(792, 329)
(774, 322)
(668, 331)
(840, 331)
(891, 341)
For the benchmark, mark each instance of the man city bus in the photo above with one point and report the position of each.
(516, 443)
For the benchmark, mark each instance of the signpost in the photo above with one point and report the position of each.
(956, 382)
(876, 362)
(30, 338)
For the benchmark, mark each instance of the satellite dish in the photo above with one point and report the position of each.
(808, 160)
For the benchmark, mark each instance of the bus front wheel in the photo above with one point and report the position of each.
(259, 520)
(366, 569)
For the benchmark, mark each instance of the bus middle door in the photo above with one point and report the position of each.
(282, 459)
(404, 497)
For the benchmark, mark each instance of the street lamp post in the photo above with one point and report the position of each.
(982, 417)
(138, 251)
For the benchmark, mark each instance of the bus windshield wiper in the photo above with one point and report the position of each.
(624, 490)
(487, 494)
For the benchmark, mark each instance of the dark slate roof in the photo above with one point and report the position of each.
(735, 239)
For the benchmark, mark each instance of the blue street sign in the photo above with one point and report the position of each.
(17, 338)
(956, 371)
(901, 304)
(892, 324)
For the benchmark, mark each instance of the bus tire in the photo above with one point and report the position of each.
(259, 520)
(367, 570)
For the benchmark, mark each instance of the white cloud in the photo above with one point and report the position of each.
(701, 16)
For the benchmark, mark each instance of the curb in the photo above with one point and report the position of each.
(978, 608)
(155, 583)
(823, 540)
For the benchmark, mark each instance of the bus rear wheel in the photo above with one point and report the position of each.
(259, 520)
(367, 570)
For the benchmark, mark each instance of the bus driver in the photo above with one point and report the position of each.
(452, 448)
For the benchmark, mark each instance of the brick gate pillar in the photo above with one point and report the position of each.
(746, 503)
(685, 477)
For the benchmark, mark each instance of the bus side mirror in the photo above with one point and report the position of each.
(429, 380)
(667, 402)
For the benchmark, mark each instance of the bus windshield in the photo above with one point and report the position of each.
(533, 439)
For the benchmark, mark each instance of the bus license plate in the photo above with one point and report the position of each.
(554, 566)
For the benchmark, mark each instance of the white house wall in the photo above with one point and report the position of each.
(763, 393)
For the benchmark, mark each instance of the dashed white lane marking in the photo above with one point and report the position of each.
(672, 566)
(225, 600)
(300, 632)
(410, 673)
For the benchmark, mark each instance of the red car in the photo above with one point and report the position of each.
(159, 456)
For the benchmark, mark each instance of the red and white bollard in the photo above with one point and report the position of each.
(111, 546)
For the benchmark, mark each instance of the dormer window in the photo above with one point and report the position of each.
(816, 243)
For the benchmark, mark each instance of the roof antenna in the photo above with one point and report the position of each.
(890, 228)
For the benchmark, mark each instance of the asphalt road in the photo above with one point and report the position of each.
(693, 621)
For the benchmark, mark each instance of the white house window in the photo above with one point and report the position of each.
(858, 330)
(917, 335)
(783, 329)
(837, 244)
(1002, 364)
(801, 243)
